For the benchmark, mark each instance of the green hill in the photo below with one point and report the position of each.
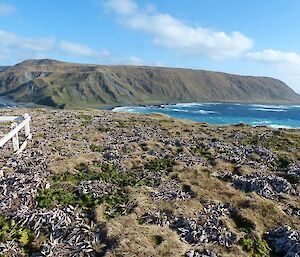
(55, 83)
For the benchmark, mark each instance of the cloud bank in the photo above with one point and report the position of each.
(172, 33)
(287, 64)
(14, 47)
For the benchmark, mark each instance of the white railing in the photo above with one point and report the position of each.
(15, 128)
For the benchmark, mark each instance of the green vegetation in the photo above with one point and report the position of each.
(6, 124)
(97, 148)
(50, 197)
(165, 121)
(255, 247)
(281, 163)
(208, 154)
(64, 192)
(276, 141)
(87, 119)
(11, 231)
(122, 124)
(160, 164)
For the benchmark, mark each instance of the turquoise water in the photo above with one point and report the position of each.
(277, 116)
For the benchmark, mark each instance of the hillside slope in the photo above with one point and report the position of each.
(56, 83)
(3, 68)
(97, 183)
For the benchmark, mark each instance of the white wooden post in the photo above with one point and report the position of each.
(27, 127)
(15, 138)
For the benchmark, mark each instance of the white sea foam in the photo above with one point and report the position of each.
(125, 109)
(269, 124)
(120, 109)
(263, 122)
(269, 110)
(205, 112)
(179, 110)
(262, 106)
(279, 126)
(188, 104)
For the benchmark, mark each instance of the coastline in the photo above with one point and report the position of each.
(275, 116)
(181, 107)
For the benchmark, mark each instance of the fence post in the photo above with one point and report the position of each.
(15, 138)
(27, 127)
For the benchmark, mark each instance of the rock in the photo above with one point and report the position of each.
(207, 228)
(284, 241)
(171, 191)
(293, 172)
(291, 210)
(204, 253)
(270, 186)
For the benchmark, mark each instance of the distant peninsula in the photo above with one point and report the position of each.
(71, 85)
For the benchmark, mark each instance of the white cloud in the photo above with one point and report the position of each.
(133, 60)
(11, 40)
(173, 33)
(6, 9)
(15, 48)
(287, 64)
(122, 7)
(81, 50)
(275, 56)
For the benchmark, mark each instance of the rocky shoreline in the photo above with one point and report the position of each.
(98, 183)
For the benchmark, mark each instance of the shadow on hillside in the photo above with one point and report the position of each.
(110, 243)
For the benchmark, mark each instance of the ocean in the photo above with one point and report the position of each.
(276, 116)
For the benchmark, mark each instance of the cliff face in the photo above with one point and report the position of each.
(56, 83)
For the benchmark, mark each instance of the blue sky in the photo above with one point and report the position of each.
(243, 37)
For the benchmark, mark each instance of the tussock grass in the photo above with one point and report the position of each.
(144, 240)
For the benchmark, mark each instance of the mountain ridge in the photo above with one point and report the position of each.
(61, 84)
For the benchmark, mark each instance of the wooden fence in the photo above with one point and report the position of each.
(15, 129)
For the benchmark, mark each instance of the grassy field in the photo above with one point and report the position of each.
(141, 179)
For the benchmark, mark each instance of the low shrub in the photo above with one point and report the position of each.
(97, 148)
(63, 192)
(11, 231)
(255, 247)
(160, 164)
(87, 119)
